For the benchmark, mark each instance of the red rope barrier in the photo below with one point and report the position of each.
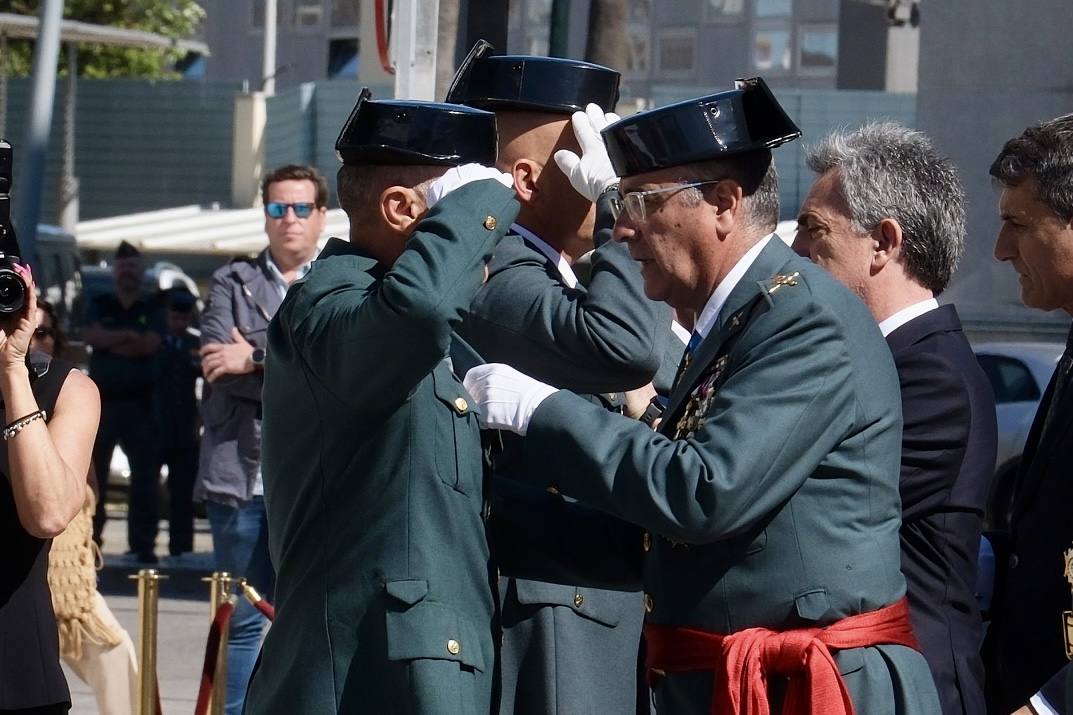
(212, 652)
(258, 601)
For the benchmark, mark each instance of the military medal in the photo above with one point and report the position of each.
(700, 401)
(1067, 616)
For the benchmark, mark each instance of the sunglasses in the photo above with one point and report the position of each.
(303, 209)
(635, 202)
(42, 333)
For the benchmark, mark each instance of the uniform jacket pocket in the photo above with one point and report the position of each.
(418, 627)
(605, 607)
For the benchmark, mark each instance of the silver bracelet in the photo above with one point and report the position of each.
(15, 427)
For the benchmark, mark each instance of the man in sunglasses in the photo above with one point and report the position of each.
(769, 492)
(244, 296)
(566, 648)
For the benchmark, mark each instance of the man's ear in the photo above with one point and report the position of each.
(401, 207)
(526, 173)
(727, 198)
(887, 243)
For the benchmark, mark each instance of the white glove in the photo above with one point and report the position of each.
(591, 174)
(460, 176)
(505, 397)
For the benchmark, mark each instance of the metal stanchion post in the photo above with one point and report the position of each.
(148, 595)
(220, 585)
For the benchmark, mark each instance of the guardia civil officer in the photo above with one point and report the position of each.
(565, 648)
(371, 447)
(770, 491)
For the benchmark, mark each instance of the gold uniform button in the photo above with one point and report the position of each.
(649, 605)
(578, 600)
(461, 405)
(490, 223)
(453, 647)
(553, 489)
(647, 541)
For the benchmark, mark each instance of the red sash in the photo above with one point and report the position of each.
(742, 661)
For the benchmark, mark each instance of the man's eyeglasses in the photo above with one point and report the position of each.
(42, 333)
(303, 209)
(634, 203)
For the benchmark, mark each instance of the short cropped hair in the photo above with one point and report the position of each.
(1043, 152)
(359, 187)
(297, 172)
(755, 172)
(885, 171)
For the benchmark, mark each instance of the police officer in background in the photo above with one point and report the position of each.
(124, 328)
(566, 648)
(372, 458)
(177, 417)
(770, 491)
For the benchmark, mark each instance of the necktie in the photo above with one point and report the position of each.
(1062, 372)
(694, 342)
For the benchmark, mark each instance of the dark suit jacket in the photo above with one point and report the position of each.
(1025, 644)
(948, 460)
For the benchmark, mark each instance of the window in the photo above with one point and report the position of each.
(676, 53)
(637, 52)
(538, 12)
(771, 51)
(717, 10)
(192, 66)
(774, 8)
(1010, 379)
(817, 51)
(346, 12)
(307, 13)
(343, 59)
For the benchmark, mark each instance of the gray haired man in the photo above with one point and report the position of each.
(1031, 633)
(886, 217)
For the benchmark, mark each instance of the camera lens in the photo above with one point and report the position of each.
(12, 292)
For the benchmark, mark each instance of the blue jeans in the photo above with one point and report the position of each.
(240, 543)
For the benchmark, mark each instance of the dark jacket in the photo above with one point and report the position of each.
(779, 508)
(231, 406)
(948, 460)
(373, 480)
(1026, 642)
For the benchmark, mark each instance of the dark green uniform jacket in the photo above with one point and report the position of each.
(567, 648)
(779, 507)
(373, 480)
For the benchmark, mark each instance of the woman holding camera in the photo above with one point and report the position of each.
(51, 412)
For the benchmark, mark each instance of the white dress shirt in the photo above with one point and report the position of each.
(556, 257)
(719, 296)
(906, 314)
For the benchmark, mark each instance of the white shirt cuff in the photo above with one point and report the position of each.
(1041, 706)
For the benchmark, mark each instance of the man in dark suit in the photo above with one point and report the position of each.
(886, 217)
(565, 648)
(770, 491)
(372, 457)
(1031, 634)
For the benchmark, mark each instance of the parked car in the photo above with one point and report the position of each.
(1019, 373)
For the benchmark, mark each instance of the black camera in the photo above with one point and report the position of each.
(12, 287)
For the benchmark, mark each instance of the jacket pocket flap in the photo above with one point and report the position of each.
(604, 607)
(408, 591)
(450, 391)
(433, 630)
(812, 605)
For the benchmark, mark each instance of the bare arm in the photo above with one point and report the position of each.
(47, 463)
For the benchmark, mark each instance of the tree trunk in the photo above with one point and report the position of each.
(608, 32)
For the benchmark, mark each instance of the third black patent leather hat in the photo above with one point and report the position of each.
(531, 83)
(743, 119)
(412, 132)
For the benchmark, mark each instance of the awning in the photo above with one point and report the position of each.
(192, 230)
(25, 26)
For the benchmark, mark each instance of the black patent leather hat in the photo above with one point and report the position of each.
(742, 119)
(384, 132)
(530, 83)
